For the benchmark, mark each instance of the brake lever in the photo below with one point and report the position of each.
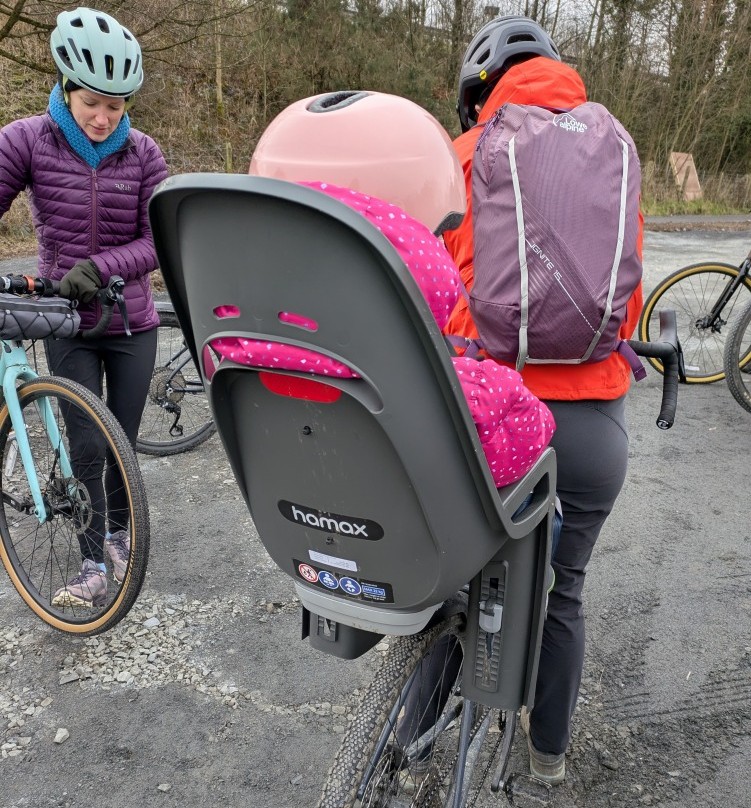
(120, 299)
(113, 294)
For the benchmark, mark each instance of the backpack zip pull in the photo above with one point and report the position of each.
(488, 126)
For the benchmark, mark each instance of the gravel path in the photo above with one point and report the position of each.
(205, 696)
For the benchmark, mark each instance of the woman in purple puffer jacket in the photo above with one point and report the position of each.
(90, 176)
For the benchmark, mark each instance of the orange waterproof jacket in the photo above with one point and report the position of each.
(547, 83)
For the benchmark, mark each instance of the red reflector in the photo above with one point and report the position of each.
(297, 387)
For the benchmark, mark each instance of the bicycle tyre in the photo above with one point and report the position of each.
(176, 415)
(738, 358)
(691, 292)
(380, 701)
(39, 558)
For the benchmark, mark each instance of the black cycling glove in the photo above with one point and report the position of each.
(82, 282)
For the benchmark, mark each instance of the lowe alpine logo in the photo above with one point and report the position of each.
(331, 522)
(568, 122)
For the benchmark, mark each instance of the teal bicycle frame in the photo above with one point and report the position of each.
(14, 368)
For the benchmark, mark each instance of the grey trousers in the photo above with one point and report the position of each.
(591, 445)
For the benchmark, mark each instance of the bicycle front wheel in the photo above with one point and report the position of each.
(738, 358)
(81, 458)
(176, 416)
(692, 293)
(402, 745)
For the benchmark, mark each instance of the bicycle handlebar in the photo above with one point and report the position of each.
(668, 350)
(29, 285)
(108, 296)
(112, 293)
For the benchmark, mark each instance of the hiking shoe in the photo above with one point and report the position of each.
(118, 549)
(88, 588)
(411, 778)
(550, 769)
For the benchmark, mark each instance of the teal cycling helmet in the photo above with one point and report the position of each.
(94, 51)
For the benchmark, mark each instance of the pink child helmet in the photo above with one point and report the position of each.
(379, 144)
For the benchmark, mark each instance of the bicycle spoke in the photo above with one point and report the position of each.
(694, 292)
(176, 414)
(85, 472)
(402, 748)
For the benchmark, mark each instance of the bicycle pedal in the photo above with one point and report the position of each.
(525, 791)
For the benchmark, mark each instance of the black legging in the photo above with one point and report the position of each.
(591, 446)
(437, 674)
(126, 363)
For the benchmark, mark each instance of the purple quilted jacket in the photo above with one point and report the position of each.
(80, 212)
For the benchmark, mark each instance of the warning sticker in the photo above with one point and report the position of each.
(345, 585)
(307, 572)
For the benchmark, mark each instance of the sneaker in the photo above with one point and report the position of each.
(88, 588)
(549, 768)
(118, 549)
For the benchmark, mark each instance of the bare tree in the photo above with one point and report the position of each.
(676, 72)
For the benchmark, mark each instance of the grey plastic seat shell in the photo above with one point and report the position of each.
(398, 448)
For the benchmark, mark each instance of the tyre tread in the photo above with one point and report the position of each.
(118, 443)
(360, 738)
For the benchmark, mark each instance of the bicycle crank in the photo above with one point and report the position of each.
(528, 790)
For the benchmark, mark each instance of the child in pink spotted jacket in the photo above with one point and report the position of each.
(513, 425)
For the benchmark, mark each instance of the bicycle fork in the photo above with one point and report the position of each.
(22, 446)
(713, 321)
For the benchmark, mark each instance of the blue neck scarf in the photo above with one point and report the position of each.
(92, 153)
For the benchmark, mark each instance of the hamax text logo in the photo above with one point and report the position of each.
(331, 522)
(567, 121)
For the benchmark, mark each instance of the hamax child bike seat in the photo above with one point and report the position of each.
(372, 493)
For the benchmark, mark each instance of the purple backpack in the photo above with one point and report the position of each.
(555, 199)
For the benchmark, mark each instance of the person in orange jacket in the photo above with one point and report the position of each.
(513, 59)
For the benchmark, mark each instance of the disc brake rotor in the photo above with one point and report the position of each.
(70, 498)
